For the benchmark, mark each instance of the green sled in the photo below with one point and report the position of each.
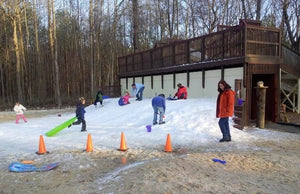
(60, 127)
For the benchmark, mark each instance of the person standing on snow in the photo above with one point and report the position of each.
(159, 107)
(80, 115)
(137, 90)
(19, 108)
(224, 109)
(99, 98)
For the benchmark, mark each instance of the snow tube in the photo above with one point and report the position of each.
(19, 167)
(121, 102)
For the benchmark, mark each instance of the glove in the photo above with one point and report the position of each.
(218, 160)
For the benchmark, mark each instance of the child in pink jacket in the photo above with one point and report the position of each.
(126, 98)
(19, 108)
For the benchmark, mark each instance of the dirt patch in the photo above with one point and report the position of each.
(147, 171)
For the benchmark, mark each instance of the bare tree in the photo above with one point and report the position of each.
(294, 37)
(92, 24)
(53, 48)
(135, 24)
(13, 12)
(258, 9)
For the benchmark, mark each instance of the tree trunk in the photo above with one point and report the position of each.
(135, 24)
(53, 49)
(244, 9)
(18, 63)
(57, 77)
(258, 9)
(40, 84)
(29, 74)
(295, 40)
(2, 82)
(91, 19)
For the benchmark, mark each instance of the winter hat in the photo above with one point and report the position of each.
(81, 99)
(162, 95)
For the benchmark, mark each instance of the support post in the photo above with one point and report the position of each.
(261, 104)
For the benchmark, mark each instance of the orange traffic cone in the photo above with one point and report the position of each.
(89, 144)
(123, 146)
(42, 148)
(168, 147)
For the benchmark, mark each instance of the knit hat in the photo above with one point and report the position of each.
(81, 99)
(162, 95)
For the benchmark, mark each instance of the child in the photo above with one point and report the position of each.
(181, 92)
(19, 108)
(126, 98)
(80, 114)
(99, 98)
(159, 107)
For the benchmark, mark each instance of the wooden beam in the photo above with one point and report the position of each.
(203, 78)
(188, 57)
(222, 73)
(288, 97)
(188, 79)
(162, 81)
(151, 81)
(174, 80)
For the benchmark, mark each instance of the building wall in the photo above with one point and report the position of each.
(195, 89)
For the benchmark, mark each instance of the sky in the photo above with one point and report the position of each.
(191, 124)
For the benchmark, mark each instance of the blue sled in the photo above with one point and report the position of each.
(170, 98)
(20, 167)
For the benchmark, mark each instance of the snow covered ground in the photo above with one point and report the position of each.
(258, 160)
(190, 123)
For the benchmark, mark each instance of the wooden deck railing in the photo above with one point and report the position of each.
(234, 42)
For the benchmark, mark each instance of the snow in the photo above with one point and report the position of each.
(191, 123)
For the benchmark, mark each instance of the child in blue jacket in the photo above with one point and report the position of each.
(80, 114)
(159, 107)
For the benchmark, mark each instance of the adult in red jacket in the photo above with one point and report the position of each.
(225, 107)
(181, 92)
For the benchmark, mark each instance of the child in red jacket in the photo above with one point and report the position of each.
(181, 92)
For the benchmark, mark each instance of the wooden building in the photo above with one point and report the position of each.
(242, 55)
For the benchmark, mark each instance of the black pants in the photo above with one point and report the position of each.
(95, 103)
(83, 126)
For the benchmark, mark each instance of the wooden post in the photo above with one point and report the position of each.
(261, 104)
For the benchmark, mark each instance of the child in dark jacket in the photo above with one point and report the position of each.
(159, 107)
(80, 114)
(99, 98)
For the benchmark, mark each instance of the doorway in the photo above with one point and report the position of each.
(269, 81)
